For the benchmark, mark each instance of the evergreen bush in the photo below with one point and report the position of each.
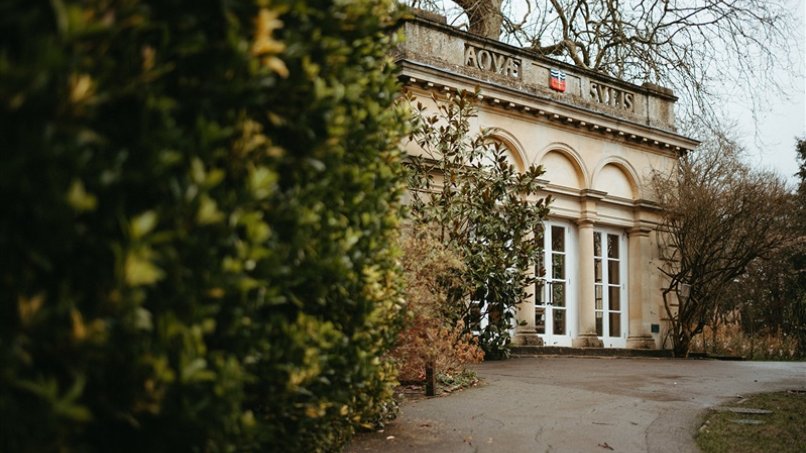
(198, 201)
(485, 210)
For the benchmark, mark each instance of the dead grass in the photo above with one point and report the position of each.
(732, 341)
(782, 431)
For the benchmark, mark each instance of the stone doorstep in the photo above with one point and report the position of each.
(565, 351)
(531, 351)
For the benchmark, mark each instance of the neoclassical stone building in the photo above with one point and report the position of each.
(599, 140)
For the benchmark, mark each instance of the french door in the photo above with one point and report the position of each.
(610, 295)
(555, 294)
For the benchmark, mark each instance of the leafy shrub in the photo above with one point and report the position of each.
(198, 201)
(434, 331)
(484, 209)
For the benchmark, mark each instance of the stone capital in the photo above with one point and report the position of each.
(587, 221)
(593, 194)
(640, 230)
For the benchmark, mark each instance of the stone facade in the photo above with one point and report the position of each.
(599, 139)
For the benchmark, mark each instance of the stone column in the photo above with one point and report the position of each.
(586, 326)
(525, 333)
(586, 337)
(639, 279)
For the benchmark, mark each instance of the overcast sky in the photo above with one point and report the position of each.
(770, 139)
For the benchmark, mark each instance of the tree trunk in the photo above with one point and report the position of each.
(682, 343)
(484, 16)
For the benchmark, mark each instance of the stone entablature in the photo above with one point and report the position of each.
(431, 44)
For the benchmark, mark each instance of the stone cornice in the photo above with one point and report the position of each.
(434, 21)
(551, 111)
(515, 81)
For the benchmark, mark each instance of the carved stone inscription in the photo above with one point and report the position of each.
(612, 96)
(487, 60)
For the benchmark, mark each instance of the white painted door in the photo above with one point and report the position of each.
(555, 297)
(610, 287)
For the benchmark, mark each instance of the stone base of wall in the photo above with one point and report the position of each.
(531, 351)
(587, 340)
(640, 342)
(527, 339)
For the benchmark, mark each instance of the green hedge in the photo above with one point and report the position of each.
(198, 202)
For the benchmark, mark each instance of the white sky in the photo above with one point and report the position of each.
(770, 138)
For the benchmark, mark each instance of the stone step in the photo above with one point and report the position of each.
(744, 410)
(531, 351)
(535, 351)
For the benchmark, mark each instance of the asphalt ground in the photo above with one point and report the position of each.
(563, 404)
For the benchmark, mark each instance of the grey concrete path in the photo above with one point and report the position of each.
(579, 405)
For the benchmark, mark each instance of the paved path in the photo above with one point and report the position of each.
(579, 405)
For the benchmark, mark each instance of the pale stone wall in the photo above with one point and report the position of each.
(600, 140)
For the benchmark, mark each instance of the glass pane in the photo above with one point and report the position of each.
(612, 246)
(557, 239)
(615, 324)
(559, 322)
(597, 244)
(614, 298)
(597, 289)
(558, 294)
(540, 319)
(597, 270)
(598, 323)
(613, 275)
(558, 266)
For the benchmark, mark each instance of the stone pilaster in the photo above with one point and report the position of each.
(525, 333)
(639, 296)
(586, 328)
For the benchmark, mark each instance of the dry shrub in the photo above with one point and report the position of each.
(434, 331)
(730, 339)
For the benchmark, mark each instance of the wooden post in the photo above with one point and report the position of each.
(429, 378)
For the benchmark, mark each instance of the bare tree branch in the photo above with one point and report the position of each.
(719, 216)
(681, 44)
